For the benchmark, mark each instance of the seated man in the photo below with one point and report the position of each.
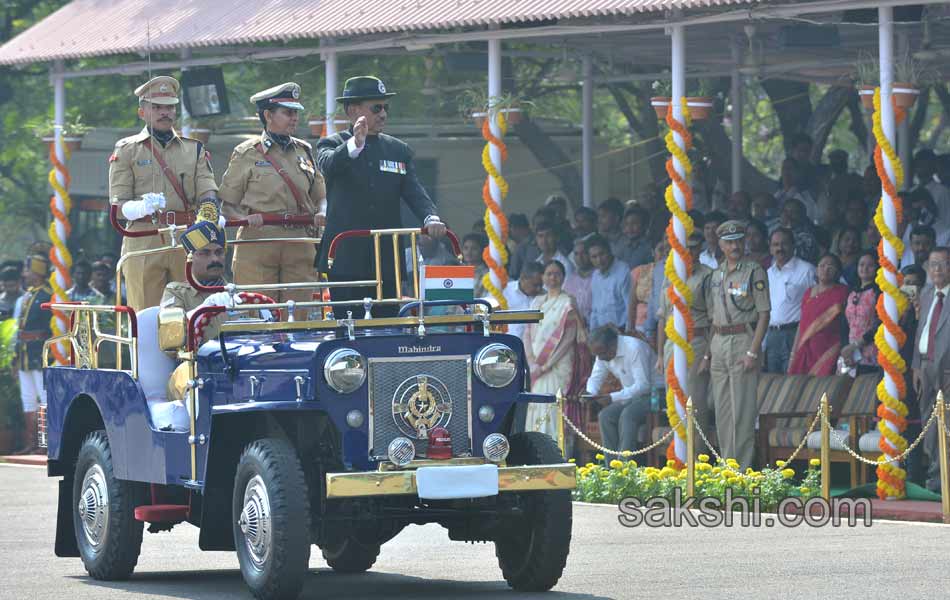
(630, 360)
(206, 242)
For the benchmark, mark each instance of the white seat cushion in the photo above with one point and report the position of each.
(868, 442)
(155, 367)
(837, 439)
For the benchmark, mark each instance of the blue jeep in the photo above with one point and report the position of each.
(332, 431)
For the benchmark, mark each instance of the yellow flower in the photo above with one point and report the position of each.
(780, 464)
(616, 464)
(667, 472)
(702, 467)
(589, 465)
(732, 480)
(571, 460)
(632, 464)
(599, 456)
(625, 472)
(716, 470)
(815, 462)
(749, 471)
(727, 473)
(703, 458)
(732, 463)
(788, 473)
(671, 464)
(804, 490)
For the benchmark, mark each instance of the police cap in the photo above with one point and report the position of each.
(731, 230)
(159, 90)
(285, 94)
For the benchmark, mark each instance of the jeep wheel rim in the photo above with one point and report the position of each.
(255, 521)
(94, 506)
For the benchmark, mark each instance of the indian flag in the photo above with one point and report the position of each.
(456, 282)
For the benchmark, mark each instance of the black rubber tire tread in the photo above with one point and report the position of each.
(276, 461)
(119, 554)
(537, 565)
(351, 556)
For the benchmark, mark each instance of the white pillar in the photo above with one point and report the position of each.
(886, 50)
(736, 95)
(678, 74)
(185, 116)
(495, 91)
(329, 58)
(587, 136)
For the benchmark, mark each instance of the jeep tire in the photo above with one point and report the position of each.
(270, 489)
(533, 549)
(107, 534)
(349, 555)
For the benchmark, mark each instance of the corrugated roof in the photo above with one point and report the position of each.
(88, 28)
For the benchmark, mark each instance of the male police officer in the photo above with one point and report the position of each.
(367, 173)
(206, 242)
(33, 328)
(152, 174)
(737, 298)
(275, 174)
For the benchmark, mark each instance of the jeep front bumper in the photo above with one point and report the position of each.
(403, 483)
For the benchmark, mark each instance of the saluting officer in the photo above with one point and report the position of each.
(275, 174)
(157, 161)
(698, 283)
(368, 173)
(738, 301)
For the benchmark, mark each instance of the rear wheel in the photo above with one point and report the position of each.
(349, 555)
(108, 536)
(533, 550)
(271, 511)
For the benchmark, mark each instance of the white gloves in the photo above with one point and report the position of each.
(148, 205)
(222, 299)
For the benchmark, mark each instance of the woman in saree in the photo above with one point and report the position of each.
(554, 349)
(818, 341)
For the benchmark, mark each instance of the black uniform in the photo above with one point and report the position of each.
(365, 193)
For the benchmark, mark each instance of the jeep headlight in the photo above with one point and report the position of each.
(496, 365)
(345, 370)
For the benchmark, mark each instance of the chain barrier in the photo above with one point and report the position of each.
(605, 450)
(712, 450)
(890, 459)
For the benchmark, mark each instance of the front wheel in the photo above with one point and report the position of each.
(533, 550)
(271, 519)
(107, 534)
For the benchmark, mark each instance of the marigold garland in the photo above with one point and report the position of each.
(678, 293)
(497, 239)
(892, 410)
(60, 205)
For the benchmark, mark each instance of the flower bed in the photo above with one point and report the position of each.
(609, 485)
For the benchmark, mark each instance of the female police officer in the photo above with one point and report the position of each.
(274, 174)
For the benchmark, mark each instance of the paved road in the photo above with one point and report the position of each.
(607, 561)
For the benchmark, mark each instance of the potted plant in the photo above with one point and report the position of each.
(909, 75)
(701, 104)
(73, 131)
(479, 106)
(867, 75)
(663, 92)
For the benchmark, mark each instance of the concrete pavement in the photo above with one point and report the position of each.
(606, 561)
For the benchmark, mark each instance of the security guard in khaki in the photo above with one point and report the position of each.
(738, 301)
(275, 174)
(697, 381)
(157, 160)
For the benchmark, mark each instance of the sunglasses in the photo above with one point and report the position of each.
(378, 108)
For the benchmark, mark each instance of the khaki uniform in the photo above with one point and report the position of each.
(697, 383)
(133, 171)
(180, 294)
(251, 185)
(734, 300)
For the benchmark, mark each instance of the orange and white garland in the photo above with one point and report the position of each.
(678, 292)
(496, 224)
(892, 410)
(60, 205)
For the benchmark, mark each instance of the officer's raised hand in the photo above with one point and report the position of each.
(434, 226)
(360, 129)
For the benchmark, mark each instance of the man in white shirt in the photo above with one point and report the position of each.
(712, 254)
(931, 362)
(789, 279)
(630, 360)
(520, 292)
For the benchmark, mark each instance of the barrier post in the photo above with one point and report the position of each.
(825, 449)
(944, 476)
(560, 423)
(690, 450)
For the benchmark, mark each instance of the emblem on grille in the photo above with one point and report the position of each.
(420, 403)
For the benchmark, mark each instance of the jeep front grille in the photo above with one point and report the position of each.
(396, 383)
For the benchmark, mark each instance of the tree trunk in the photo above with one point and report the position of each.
(719, 149)
(792, 105)
(825, 115)
(553, 158)
(643, 125)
